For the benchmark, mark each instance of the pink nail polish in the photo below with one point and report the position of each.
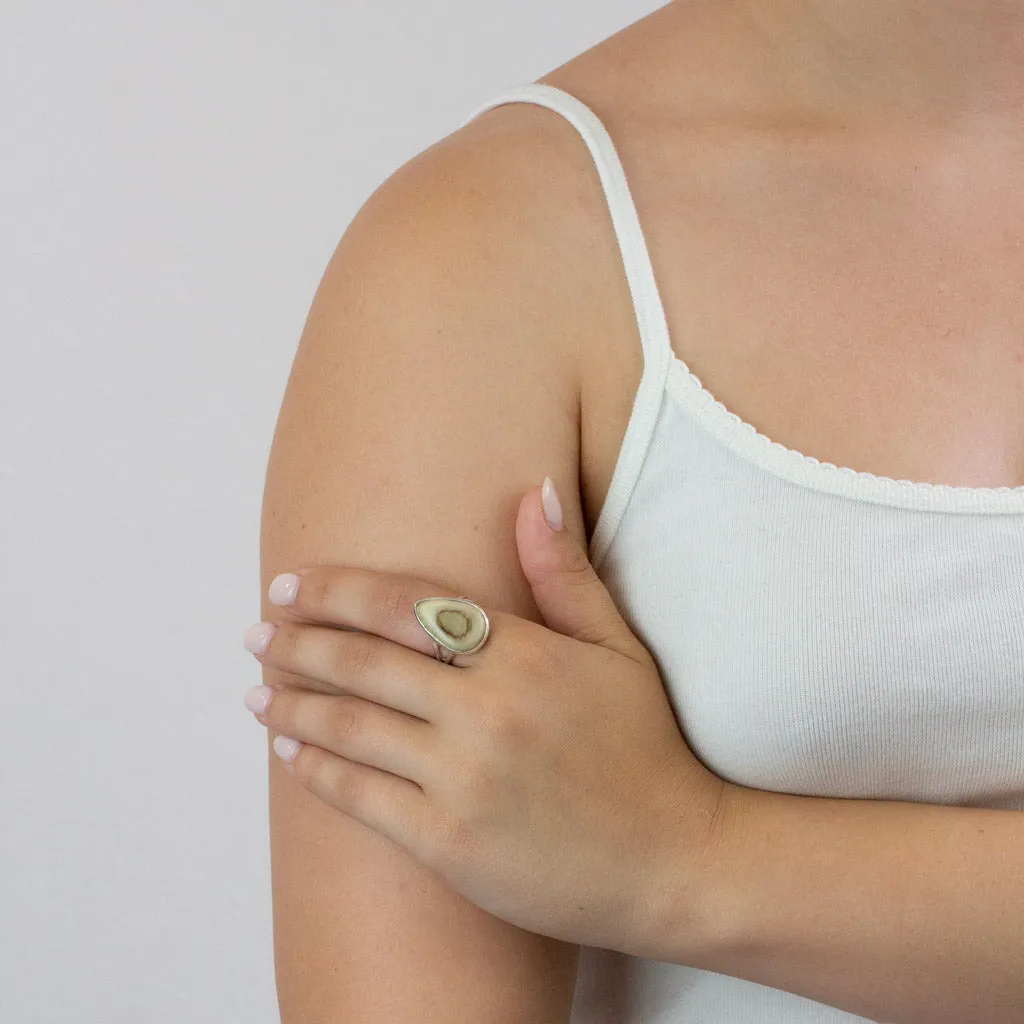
(286, 748)
(283, 588)
(257, 700)
(552, 506)
(257, 638)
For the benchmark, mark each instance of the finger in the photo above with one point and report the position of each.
(393, 806)
(375, 602)
(355, 729)
(336, 661)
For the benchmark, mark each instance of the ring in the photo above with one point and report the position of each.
(455, 624)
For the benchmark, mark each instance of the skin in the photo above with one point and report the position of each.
(547, 739)
(831, 196)
(953, 63)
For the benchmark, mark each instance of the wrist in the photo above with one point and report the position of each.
(696, 922)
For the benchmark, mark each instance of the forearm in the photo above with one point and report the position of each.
(901, 912)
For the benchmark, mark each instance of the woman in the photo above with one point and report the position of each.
(825, 272)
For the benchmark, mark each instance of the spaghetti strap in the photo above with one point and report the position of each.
(650, 313)
(658, 354)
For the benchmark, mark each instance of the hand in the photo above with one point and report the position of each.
(544, 777)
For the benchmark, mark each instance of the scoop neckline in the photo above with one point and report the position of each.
(746, 441)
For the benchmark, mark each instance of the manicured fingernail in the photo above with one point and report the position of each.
(257, 638)
(283, 588)
(552, 506)
(286, 748)
(258, 698)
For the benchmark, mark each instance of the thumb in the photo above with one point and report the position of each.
(566, 588)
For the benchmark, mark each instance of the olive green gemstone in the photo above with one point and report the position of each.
(455, 624)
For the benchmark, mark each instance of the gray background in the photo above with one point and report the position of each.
(173, 180)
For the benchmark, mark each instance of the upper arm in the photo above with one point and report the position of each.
(429, 391)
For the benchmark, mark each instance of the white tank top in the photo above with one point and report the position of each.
(819, 630)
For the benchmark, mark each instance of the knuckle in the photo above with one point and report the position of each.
(394, 600)
(361, 653)
(512, 726)
(523, 659)
(292, 644)
(315, 590)
(279, 711)
(582, 574)
(471, 709)
(537, 653)
(346, 785)
(505, 721)
(285, 645)
(347, 719)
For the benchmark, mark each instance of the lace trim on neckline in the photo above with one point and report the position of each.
(746, 440)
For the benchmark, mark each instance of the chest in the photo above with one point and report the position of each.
(868, 320)
(841, 648)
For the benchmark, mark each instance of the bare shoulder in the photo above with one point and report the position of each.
(577, 251)
(513, 197)
(501, 217)
(516, 195)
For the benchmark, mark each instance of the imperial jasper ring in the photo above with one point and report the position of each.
(455, 624)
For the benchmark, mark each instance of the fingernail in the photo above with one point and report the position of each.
(283, 588)
(258, 699)
(286, 748)
(257, 638)
(552, 506)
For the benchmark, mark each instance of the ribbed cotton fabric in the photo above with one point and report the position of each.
(820, 631)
